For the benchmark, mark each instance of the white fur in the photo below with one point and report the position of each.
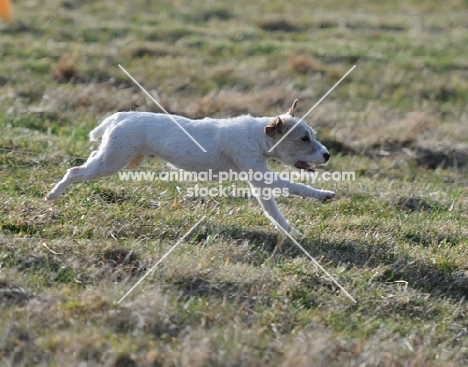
(239, 144)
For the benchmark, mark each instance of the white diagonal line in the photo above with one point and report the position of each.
(161, 260)
(320, 100)
(162, 108)
(315, 262)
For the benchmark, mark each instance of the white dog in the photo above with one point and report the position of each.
(238, 144)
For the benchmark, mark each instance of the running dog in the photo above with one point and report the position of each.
(239, 144)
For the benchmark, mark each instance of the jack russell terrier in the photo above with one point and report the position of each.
(238, 144)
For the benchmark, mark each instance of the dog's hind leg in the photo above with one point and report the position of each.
(99, 164)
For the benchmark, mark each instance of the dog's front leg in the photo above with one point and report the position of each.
(294, 188)
(306, 191)
(268, 203)
(272, 211)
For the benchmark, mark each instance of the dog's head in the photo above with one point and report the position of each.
(299, 146)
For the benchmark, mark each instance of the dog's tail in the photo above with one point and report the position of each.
(106, 125)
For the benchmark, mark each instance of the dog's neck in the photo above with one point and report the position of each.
(267, 145)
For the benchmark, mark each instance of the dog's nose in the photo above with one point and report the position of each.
(326, 156)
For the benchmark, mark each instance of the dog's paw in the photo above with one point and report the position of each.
(51, 196)
(326, 195)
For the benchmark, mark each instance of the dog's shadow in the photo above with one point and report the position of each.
(395, 267)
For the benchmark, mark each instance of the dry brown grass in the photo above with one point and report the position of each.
(64, 71)
(393, 135)
(302, 63)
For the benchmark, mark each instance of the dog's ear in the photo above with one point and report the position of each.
(274, 127)
(293, 108)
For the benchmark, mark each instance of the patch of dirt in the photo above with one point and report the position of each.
(64, 70)
(111, 197)
(125, 361)
(118, 256)
(277, 24)
(117, 264)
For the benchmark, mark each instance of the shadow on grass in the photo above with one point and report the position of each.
(198, 286)
(438, 279)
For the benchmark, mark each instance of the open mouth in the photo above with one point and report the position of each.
(304, 165)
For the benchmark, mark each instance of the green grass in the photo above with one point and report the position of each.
(396, 238)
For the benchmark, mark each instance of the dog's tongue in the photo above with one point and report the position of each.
(304, 165)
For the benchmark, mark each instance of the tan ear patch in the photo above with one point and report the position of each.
(274, 127)
(292, 110)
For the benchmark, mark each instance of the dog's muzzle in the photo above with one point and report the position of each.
(304, 165)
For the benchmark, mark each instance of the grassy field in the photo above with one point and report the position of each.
(396, 238)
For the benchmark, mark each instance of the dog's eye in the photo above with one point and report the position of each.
(305, 138)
